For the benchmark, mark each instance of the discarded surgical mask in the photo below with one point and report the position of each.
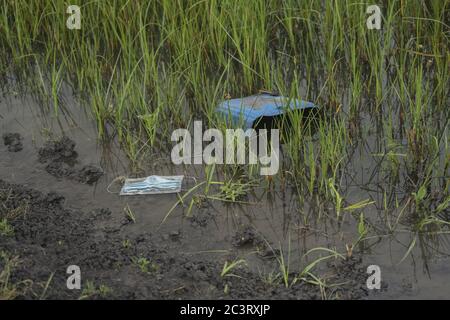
(152, 185)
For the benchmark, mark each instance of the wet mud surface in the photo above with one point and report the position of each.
(56, 194)
(13, 141)
(61, 161)
(48, 236)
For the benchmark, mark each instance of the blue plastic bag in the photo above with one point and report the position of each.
(244, 112)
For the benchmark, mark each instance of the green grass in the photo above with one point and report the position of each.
(10, 289)
(145, 265)
(230, 266)
(91, 290)
(5, 228)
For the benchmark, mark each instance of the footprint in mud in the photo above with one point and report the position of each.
(13, 141)
(61, 159)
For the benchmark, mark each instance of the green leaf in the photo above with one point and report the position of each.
(361, 225)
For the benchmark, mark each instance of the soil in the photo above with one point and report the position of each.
(57, 196)
(61, 159)
(48, 237)
(13, 141)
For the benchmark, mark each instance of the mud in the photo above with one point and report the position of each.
(48, 237)
(61, 211)
(247, 236)
(203, 217)
(61, 159)
(13, 141)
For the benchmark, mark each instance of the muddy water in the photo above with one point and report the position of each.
(213, 231)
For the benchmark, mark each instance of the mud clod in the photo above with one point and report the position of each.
(202, 217)
(61, 159)
(13, 141)
(247, 236)
(62, 150)
(60, 169)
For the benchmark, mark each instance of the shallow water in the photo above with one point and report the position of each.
(211, 230)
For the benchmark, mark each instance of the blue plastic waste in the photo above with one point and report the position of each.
(243, 112)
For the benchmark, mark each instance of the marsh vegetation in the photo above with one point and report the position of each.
(369, 174)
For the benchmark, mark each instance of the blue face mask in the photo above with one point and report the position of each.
(152, 185)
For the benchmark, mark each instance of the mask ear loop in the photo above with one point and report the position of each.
(120, 179)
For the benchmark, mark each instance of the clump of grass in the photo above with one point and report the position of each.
(9, 289)
(233, 191)
(91, 290)
(126, 243)
(145, 265)
(5, 228)
(229, 266)
(129, 214)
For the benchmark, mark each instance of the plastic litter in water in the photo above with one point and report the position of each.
(246, 111)
(152, 185)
